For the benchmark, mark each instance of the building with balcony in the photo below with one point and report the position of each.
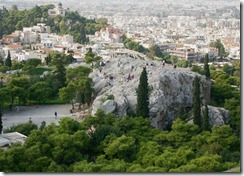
(184, 53)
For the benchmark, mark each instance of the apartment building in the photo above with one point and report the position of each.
(183, 53)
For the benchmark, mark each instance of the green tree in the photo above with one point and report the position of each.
(206, 67)
(142, 108)
(34, 62)
(17, 65)
(102, 21)
(90, 54)
(197, 102)
(60, 73)
(233, 105)
(183, 63)
(4, 96)
(85, 91)
(1, 122)
(197, 69)
(122, 148)
(48, 59)
(14, 8)
(40, 91)
(8, 61)
(18, 87)
(74, 74)
(24, 128)
(154, 51)
(69, 58)
(148, 152)
(228, 69)
(174, 59)
(68, 93)
(221, 49)
(182, 113)
(205, 124)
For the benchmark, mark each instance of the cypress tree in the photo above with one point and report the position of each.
(1, 122)
(8, 61)
(206, 125)
(88, 91)
(182, 113)
(196, 102)
(142, 109)
(48, 59)
(61, 73)
(206, 67)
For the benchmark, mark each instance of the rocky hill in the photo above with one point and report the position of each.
(116, 82)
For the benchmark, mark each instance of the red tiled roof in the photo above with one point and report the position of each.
(14, 45)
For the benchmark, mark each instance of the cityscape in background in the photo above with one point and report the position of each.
(172, 25)
(170, 69)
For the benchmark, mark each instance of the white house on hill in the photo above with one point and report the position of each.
(58, 10)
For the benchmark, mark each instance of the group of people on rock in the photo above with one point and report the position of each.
(130, 77)
(163, 64)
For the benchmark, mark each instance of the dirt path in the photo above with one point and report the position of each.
(37, 114)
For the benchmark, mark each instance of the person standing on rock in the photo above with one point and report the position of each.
(163, 63)
(55, 115)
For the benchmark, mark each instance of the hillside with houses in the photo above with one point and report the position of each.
(152, 101)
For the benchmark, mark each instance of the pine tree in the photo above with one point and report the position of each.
(197, 102)
(142, 109)
(206, 125)
(206, 67)
(8, 61)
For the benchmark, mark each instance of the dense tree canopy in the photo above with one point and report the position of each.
(123, 145)
(221, 49)
(132, 45)
(72, 23)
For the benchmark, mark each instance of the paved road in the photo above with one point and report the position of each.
(37, 114)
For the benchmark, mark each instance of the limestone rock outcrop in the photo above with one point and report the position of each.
(170, 88)
(219, 116)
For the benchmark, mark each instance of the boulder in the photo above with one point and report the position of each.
(218, 116)
(97, 104)
(100, 85)
(96, 79)
(109, 106)
(122, 105)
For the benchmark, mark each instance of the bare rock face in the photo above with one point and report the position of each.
(170, 89)
(109, 106)
(218, 116)
(174, 89)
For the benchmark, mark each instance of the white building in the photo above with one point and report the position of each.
(58, 10)
(109, 34)
(25, 55)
